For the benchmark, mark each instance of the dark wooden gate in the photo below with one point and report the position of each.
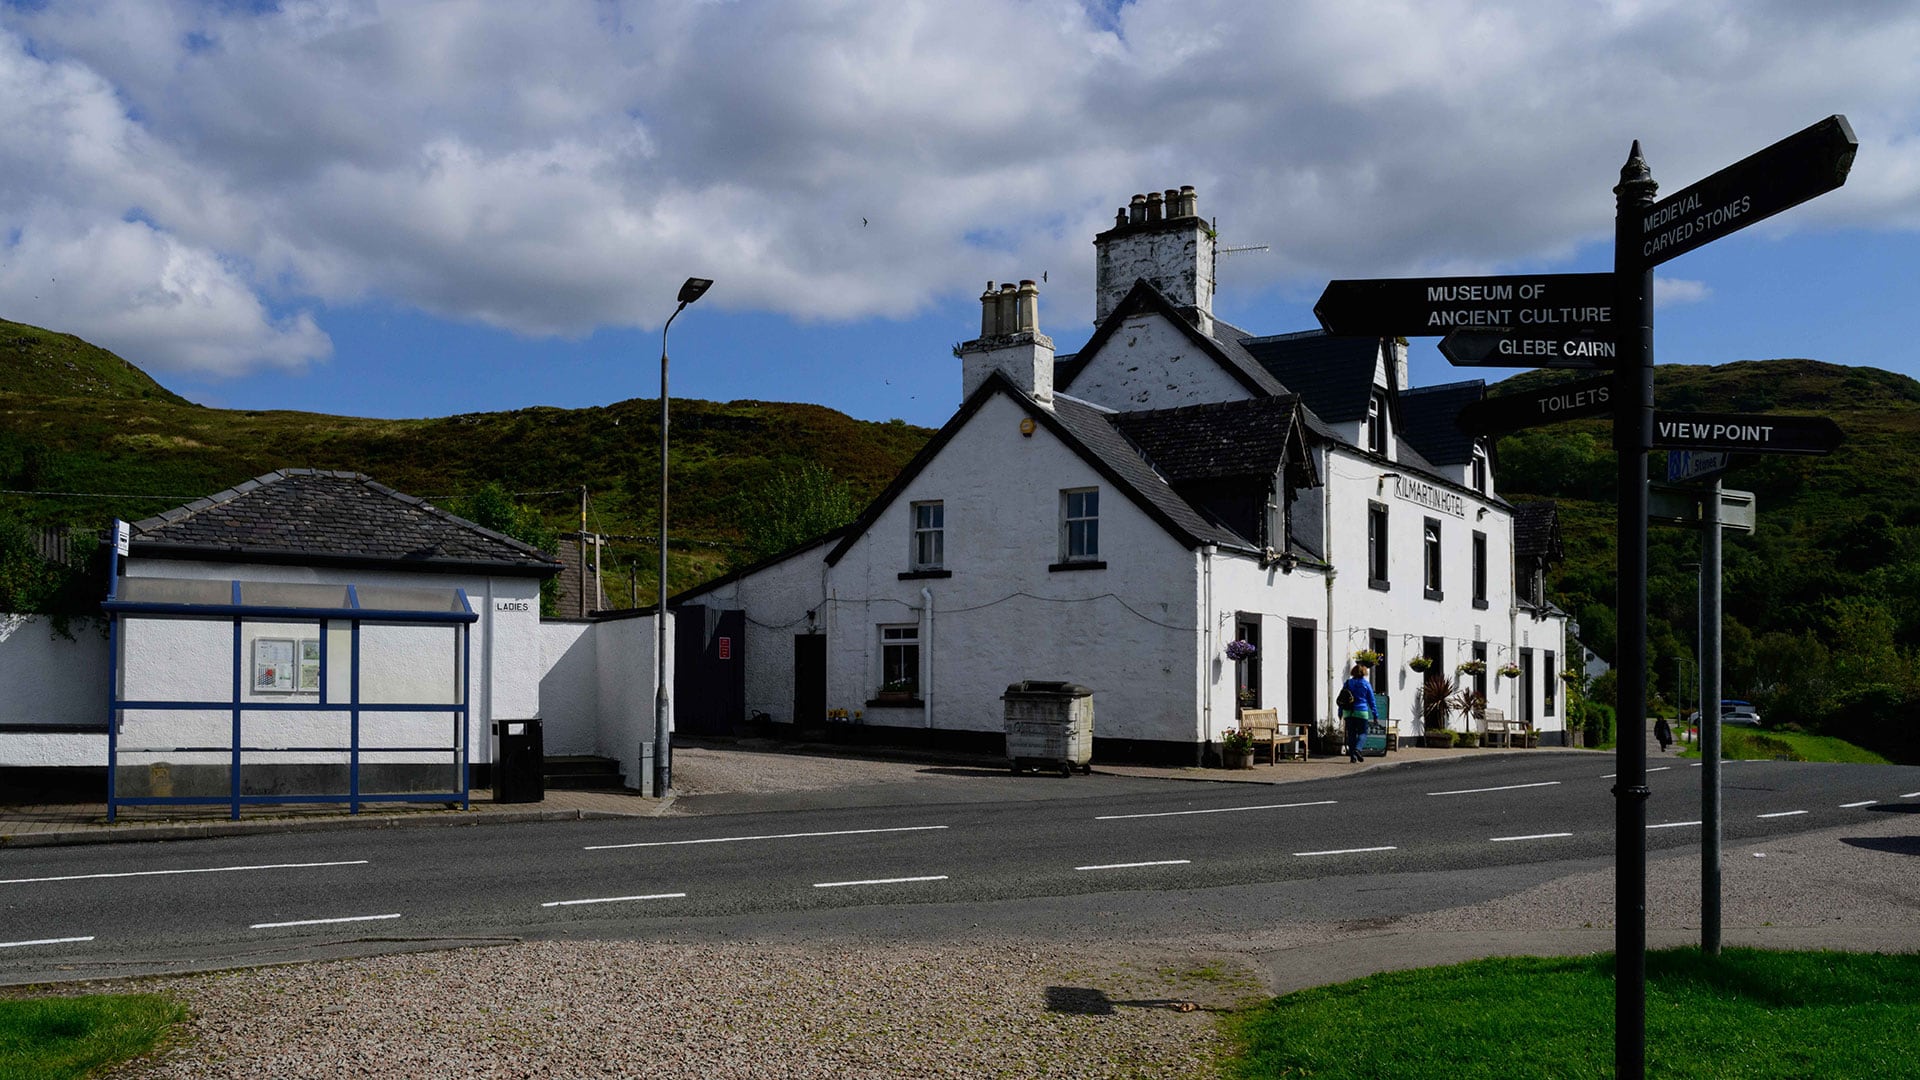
(709, 670)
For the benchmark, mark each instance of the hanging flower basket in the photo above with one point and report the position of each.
(1240, 650)
(1510, 671)
(1367, 657)
(1420, 663)
(1472, 667)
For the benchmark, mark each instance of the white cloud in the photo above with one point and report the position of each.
(1670, 291)
(555, 172)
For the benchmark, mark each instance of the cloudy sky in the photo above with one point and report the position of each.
(418, 209)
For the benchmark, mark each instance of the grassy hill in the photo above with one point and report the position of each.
(78, 419)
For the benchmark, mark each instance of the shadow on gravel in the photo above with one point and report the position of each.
(1897, 845)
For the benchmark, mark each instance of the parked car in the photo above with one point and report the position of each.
(1740, 713)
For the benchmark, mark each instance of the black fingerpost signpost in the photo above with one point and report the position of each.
(1791, 171)
(1606, 321)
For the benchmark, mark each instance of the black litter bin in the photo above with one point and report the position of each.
(519, 771)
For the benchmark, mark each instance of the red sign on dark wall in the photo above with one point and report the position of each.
(726, 648)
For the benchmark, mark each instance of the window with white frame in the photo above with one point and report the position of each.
(1480, 469)
(929, 535)
(1080, 525)
(1377, 423)
(900, 660)
(1432, 545)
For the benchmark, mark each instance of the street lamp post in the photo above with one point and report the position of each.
(662, 737)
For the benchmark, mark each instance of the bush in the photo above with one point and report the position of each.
(1597, 724)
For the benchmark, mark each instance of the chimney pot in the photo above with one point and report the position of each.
(1007, 318)
(1137, 210)
(1027, 308)
(1189, 202)
(989, 311)
(1153, 206)
(1119, 217)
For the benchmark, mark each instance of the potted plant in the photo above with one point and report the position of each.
(1367, 658)
(1472, 667)
(1468, 739)
(1434, 706)
(1510, 670)
(1238, 649)
(896, 690)
(1236, 749)
(1420, 663)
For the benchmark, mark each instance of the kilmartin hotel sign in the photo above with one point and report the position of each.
(1429, 496)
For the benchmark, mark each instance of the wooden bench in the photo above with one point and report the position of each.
(1265, 727)
(1495, 725)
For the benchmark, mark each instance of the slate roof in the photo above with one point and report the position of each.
(331, 518)
(1428, 420)
(1536, 531)
(1204, 442)
(1099, 439)
(1333, 375)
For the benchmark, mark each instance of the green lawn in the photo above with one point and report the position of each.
(1761, 744)
(60, 1038)
(1746, 1013)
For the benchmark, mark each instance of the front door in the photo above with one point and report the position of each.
(1303, 687)
(810, 680)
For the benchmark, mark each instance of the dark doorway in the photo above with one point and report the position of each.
(709, 670)
(1247, 671)
(1526, 685)
(1303, 687)
(810, 680)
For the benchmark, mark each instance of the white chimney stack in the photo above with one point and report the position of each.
(1010, 342)
(1162, 238)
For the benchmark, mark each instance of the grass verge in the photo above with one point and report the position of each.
(64, 1038)
(1747, 744)
(1745, 1013)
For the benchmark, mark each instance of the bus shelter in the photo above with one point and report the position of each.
(251, 692)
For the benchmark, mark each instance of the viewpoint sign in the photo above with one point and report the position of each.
(1536, 348)
(1799, 167)
(1517, 412)
(1744, 434)
(1535, 304)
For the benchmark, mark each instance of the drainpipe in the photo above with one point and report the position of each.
(1206, 645)
(926, 678)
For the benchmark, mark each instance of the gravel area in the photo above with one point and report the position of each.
(619, 1009)
(699, 770)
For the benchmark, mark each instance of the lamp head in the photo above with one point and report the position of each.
(694, 289)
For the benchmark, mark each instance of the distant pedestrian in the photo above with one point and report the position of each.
(1356, 708)
(1662, 733)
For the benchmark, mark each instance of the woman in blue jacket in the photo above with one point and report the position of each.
(1358, 713)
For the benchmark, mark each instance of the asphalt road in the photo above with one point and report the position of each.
(1032, 857)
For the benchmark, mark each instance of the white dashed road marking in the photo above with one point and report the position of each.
(43, 941)
(1347, 851)
(1508, 787)
(322, 922)
(877, 881)
(1782, 813)
(201, 870)
(1221, 810)
(1534, 836)
(616, 899)
(769, 836)
(1131, 865)
(1674, 825)
(1856, 805)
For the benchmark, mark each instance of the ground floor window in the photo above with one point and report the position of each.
(1246, 669)
(900, 659)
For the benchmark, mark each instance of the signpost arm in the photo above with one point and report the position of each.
(1710, 721)
(1632, 438)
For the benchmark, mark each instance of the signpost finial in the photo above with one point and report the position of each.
(1636, 185)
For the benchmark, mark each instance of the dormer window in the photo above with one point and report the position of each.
(1377, 422)
(1480, 469)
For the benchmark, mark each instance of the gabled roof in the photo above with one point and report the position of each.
(1428, 420)
(1333, 375)
(1220, 439)
(317, 517)
(1143, 298)
(1089, 432)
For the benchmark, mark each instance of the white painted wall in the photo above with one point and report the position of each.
(569, 687)
(1149, 363)
(46, 679)
(625, 662)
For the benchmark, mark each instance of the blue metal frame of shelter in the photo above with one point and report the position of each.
(459, 615)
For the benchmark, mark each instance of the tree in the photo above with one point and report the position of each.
(492, 507)
(791, 508)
